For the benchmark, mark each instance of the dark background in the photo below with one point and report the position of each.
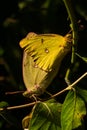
(19, 17)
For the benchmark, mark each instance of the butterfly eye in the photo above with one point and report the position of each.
(68, 38)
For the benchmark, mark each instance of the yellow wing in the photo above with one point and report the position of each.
(46, 49)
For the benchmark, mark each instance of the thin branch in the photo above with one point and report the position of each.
(74, 26)
(79, 79)
(20, 106)
(16, 92)
(70, 87)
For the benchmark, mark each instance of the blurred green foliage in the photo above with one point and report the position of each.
(19, 17)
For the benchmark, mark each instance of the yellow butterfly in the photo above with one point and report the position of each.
(42, 59)
(47, 50)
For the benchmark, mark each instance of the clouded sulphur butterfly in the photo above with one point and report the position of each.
(43, 54)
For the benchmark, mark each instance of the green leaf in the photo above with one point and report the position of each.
(3, 104)
(73, 111)
(67, 112)
(82, 93)
(80, 112)
(46, 116)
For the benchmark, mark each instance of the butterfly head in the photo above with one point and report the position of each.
(68, 39)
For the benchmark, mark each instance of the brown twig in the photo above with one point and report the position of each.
(70, 87)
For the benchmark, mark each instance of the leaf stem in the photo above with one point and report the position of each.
(74, 26)
(20, 106)
(70, 87)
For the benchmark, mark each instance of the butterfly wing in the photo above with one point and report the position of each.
(33, 77)
(42, 52)
(45, 49)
